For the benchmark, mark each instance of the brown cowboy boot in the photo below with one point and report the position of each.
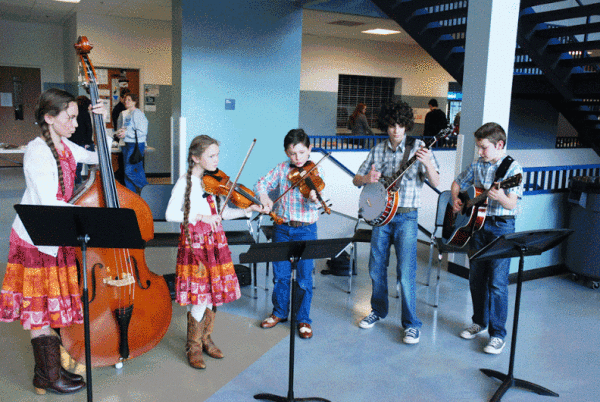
(47, 374)
(193, 346)
(209, 347)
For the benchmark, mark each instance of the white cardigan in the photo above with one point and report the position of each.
(41, 178)
(198, 204)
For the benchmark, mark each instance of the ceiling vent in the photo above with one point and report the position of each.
(346, 23)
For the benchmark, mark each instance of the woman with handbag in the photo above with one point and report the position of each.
(133, 129)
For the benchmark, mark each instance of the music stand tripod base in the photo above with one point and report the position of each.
(519, 244)
(292, 251)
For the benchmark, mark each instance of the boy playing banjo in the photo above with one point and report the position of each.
(383, 161)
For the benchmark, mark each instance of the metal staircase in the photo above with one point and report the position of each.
(557, 55)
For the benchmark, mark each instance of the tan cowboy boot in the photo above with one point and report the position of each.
(209, 347)
(193, 346)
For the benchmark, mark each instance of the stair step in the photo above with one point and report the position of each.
(561, 14)
(580, 62)
(532, 3)
(574, 46)
(459, 29)
(572, 30)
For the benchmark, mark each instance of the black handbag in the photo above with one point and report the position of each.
(136, 156)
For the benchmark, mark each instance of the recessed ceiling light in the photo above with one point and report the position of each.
(68, 1)
(380, 31)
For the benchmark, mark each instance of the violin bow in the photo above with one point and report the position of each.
(237, 177)
(306, 174)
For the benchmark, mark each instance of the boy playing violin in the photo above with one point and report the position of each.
(300, 215)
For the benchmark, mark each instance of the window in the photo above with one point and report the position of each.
(355, 89)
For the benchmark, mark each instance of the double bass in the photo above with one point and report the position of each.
(129, 306)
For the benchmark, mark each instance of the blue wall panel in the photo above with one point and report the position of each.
(248, 51)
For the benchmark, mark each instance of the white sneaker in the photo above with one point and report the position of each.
(472, 331)
(494, 346)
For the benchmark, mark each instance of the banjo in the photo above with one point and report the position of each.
(378, 204)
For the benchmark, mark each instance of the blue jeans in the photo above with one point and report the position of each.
(135, 177)
(488, 280)
(282, 271)
(402, 233)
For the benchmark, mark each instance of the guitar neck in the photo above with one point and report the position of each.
(479, 199)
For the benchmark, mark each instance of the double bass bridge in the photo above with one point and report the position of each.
(125, 280)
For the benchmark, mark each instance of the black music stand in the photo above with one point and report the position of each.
(82, 227)
(519, 244)
(293, 251)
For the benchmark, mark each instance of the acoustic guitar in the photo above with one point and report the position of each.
(460, 226)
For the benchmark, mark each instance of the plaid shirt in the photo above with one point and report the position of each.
(388, 161)
(293, 206)
(481, 175)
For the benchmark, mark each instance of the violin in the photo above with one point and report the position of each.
(218, 183)
(307, 179)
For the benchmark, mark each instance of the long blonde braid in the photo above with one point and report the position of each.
(197, 147)
(51, 103)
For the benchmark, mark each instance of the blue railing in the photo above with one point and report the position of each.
(554, 179)
(360, 143)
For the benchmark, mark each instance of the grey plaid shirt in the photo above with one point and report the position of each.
(388, 161)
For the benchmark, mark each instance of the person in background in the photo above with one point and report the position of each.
(435, 120)
(383, 161)
(83, 135)
(133, 127)
(116, 112)
(205, 274)
(357, 122)
(41, 283)
(488, 280)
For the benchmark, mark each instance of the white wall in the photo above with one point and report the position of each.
(33, 45)
(324, 58)
(130, 43)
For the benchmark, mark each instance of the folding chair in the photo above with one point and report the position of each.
(360, 236)
(444, 200)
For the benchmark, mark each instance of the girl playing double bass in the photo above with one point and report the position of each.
(40, 287)
(205, 274)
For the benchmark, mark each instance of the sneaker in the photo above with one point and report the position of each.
(472, 331)
(369, 320)
(495, 346)
(411, 336)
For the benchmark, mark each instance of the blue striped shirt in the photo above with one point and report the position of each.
(481, 175)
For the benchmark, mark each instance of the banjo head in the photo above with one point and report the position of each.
(373, 201)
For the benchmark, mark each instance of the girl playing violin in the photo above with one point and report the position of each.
(40, 287)
(300, 215)
(205, 274)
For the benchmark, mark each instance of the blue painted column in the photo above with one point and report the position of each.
(489, 61)
(488, 74)
(236, 77)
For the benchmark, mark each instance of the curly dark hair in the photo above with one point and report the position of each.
(396, 113)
